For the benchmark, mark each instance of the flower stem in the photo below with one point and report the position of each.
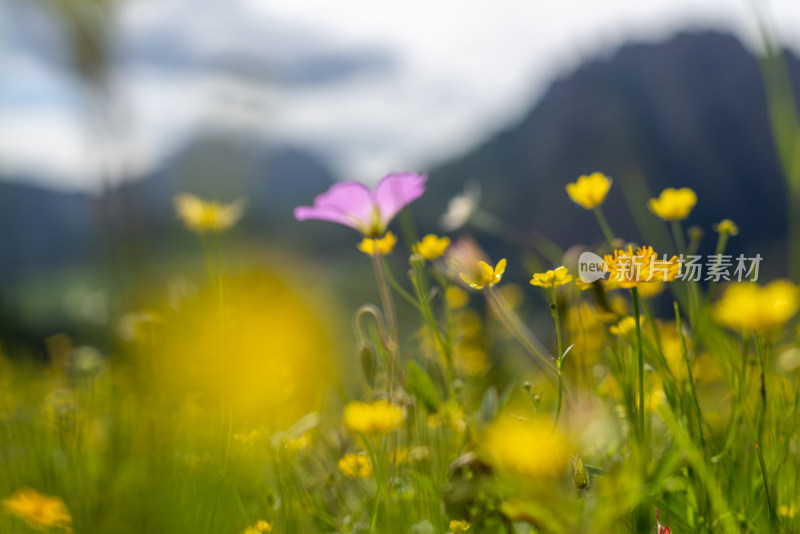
(604, 226)
(677, 235)
(512, 325)
(391, 321)
(689, 376)
(772, 516)
(639, 359)
(559, 358)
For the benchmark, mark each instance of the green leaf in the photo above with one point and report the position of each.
(421, 386)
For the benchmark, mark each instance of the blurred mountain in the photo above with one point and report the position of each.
(687, 112)
(46, 230)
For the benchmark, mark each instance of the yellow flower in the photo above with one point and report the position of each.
(39, 511)
(203, 216)
(487, 277)
(628, 269)
(748, 307)
(625, 326)
(459, 526)
(789, 510)
(456, 297)
(589, 191)
(726, 226)
(355, 466)
(383, 245)
(552, 278)
(673, 204)
(374, 418)
(431, 246)
(526, 449)
(260, 527)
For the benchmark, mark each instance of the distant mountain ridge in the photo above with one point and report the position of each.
(687, 112)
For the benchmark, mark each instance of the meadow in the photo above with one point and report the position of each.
(225, 406)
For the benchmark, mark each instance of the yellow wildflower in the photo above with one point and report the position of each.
(431, 246)
(628, 269)
(789, 510)
(203, 216)
(552, 278)
(355, 466)
(748, 307)
(487, 277)
(298, 444)
(459, 526)
(526, 449)
(673, 204)
(374, 418)
(37, 510)
(589, 191)
(261, 527)
(625, 326)
(456, 297)
(726, 226)
(382, 245)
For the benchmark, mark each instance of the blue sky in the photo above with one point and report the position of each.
(372, 86)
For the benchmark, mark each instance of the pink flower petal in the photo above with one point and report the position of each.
(347, 203)
(396, 191)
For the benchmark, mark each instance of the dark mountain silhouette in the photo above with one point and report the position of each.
(687, 112)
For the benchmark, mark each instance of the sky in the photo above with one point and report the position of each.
(371, 86)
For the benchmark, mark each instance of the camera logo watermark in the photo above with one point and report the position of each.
(592, 268)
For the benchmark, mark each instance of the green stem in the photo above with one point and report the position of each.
(515, 329)
(685, 352)
(772, 516)
(397, 287)
(391, 321)
(763, 412)
(677, 235)
(604, 226)
(639, 360)
(559, 358)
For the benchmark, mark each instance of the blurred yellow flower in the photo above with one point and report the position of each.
(629, 268)
(382, 245)
(552, 278)
(748, 307)
(456, 297)
(787, 510)
(726, 226)
(355, 466)
(673, 204)
(625, 326)
(260, 527)
(459, 526)
(526, 449)
(375, 418)
(487, 277)
(37, 510)
(431, 246)
(203, 216)
(589, 191)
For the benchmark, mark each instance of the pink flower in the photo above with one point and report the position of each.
(353, 204)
